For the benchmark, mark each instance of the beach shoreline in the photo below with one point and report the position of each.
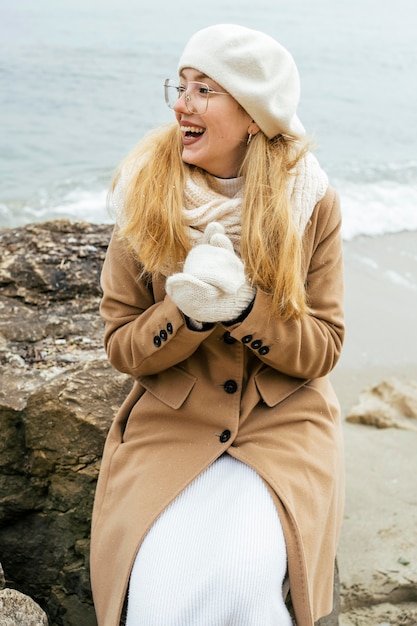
(378, 547)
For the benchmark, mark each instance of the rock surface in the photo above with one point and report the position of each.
(58, 396)
(16, 609)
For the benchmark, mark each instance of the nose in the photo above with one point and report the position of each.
(180, 105)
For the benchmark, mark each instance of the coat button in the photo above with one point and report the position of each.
(164, 335)
(157, 341)
(227, 338)
(264, 350)
(169, 328)
(247, 339)
(256, 344)
(230, 386)
(225, 436)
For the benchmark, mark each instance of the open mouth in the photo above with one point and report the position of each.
(192, 131)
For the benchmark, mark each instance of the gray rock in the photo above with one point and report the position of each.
(16, 609)
(2, 578)
(58, 396)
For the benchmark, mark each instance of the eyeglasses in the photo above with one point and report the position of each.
(196, 95)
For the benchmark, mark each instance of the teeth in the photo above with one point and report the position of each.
(191, 129)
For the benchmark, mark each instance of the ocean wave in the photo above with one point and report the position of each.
(370, 206)
(76, 205)
(403, 173)
(377, 208)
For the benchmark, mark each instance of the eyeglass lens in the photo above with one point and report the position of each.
(195, 95)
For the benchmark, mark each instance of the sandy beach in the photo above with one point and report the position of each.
(378, 547)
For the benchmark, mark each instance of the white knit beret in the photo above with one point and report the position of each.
(255, 69)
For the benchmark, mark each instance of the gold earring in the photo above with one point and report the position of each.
(249, 139)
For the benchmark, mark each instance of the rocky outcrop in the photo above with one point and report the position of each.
(18, 609)
(58, 396)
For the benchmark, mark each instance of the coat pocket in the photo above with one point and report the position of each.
(273, 386)
(172, 386)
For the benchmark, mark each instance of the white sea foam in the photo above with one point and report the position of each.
(77, 205)
(376, 208)
(85, 205)
(402, 280)
(368, 208)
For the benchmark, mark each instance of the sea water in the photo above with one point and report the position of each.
(82, 80)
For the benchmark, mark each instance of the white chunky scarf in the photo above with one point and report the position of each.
(221, 201)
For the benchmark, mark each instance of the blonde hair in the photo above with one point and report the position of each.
(152, 221)
(271, 245)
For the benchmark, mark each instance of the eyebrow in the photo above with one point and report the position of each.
(199, 76)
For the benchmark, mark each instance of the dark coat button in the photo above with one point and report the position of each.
(227, 338)
(230, 386)
(247, 339)
(264, 350)
(169, 328)
(256, 344)
(157, 341)
(225, 436)
(164, 335)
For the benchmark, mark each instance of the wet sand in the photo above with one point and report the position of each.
(378, 546)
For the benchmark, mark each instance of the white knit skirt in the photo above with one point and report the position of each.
(215, 557)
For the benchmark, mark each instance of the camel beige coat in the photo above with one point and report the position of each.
(257, 390)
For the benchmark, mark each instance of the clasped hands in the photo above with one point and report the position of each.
(212, 286)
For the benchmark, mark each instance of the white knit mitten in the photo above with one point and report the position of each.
(213, 286)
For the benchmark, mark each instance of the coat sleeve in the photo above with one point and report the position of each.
(309, 347)
(142, 336)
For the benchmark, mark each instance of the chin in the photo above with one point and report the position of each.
(191, 161)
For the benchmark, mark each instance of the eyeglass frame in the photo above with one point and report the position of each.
(187, 97)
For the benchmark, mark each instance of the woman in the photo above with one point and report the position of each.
(222, 478)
